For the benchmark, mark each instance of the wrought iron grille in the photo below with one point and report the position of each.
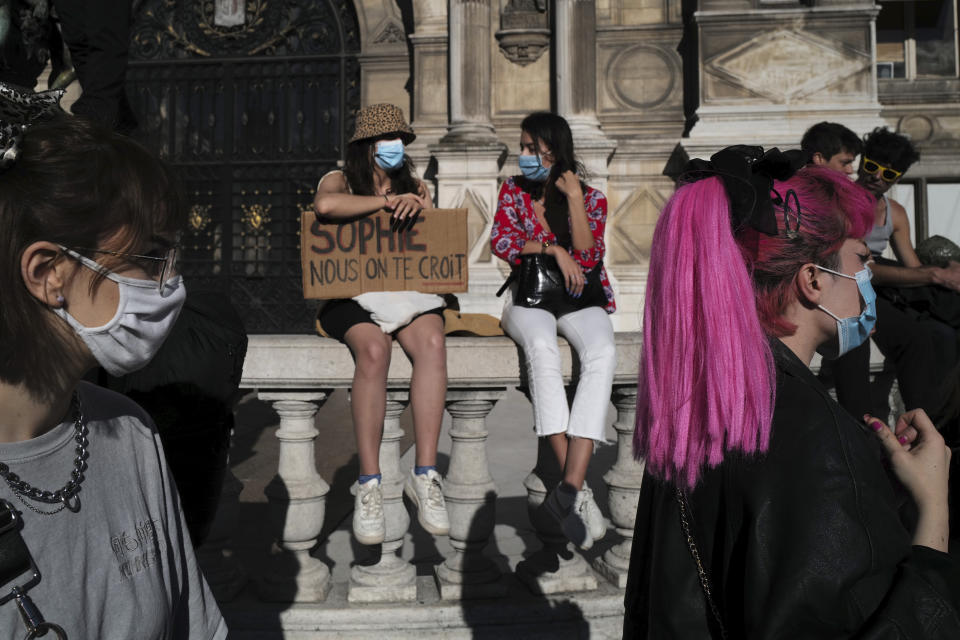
(251, 101)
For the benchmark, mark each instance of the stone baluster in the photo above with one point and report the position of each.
(624, 479)
(471, 500)
(221, 569)
(297, 496)
(390, 579)
(555, 568)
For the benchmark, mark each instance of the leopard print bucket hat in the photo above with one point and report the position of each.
(378, 119)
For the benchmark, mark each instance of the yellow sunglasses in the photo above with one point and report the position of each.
(886, 173)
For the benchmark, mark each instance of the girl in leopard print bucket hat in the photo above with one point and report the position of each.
(378, 174)
(378, 120)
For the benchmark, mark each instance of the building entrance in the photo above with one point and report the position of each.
(251, 101)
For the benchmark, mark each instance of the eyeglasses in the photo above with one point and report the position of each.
(886, 173)
(159, 268)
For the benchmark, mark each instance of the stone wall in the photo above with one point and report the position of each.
(754, 71)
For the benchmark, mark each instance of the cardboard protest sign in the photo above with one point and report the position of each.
(346, 259)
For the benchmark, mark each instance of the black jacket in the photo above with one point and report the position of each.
(802, 542)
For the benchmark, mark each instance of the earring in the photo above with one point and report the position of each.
(61, 300)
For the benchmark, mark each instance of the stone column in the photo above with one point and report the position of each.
(391, 578)
(469, 155)
(430, 75)
(469, 72)
(556, 567)
(297, 496)
(471, 499)
(624, 479)
(223, 573)
(575, 53)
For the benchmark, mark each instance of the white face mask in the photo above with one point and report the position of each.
(145, 316)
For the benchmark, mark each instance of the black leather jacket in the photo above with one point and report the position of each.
(803, 542)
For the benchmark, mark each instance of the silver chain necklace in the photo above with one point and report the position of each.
(66, 497)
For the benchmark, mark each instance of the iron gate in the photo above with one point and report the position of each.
(251, 101)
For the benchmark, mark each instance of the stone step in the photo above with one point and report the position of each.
(597, 615)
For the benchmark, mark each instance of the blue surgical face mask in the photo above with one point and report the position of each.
(852, 331)
(533, 169)
(389, 155)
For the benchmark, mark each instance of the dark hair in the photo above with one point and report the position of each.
(78, 184)
(829, 139)
(554, 132)
(887, 147)
(358, 168)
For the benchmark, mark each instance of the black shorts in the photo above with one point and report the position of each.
(338, 316)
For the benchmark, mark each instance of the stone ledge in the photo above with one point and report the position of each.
(299, 362)
(597, 615)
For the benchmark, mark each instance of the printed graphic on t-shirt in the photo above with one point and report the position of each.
(136, 549)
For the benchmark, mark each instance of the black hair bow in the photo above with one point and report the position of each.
(748, 174)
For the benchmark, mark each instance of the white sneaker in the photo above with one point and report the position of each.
(596, 523)
(426, 493)
(572, 519)
(369, 526)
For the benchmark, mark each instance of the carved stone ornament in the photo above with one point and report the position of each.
(919, 127)
(524, 31)
(391, 34)
(642, 76)
(780, 65)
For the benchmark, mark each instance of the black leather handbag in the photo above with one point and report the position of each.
(541, 285)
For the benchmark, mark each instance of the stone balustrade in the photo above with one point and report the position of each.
(296, 375)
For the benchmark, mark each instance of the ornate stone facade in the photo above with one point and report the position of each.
(640, 81)
(644, 84)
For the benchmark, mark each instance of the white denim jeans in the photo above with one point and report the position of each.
(590, 333)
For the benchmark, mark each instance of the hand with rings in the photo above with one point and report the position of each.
(405, 208)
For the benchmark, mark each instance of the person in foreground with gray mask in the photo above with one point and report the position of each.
(92, 538)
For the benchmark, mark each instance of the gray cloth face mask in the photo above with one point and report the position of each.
(145, 315)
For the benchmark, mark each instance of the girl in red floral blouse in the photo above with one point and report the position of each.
(549, 210)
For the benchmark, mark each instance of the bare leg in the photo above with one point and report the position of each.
(579, 451)
(368, 402)
(558, 442)
(424, 344)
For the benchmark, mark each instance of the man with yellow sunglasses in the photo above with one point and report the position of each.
(886, 158)
(922, 349)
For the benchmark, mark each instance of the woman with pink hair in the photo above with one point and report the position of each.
(766, 510)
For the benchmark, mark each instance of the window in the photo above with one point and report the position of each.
(917, 39)
(933, 208)
(943, 210)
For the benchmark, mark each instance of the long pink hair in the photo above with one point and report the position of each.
(707, 381)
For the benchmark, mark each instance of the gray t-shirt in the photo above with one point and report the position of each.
(122, 567)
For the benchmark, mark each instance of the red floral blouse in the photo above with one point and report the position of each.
(515, 223)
